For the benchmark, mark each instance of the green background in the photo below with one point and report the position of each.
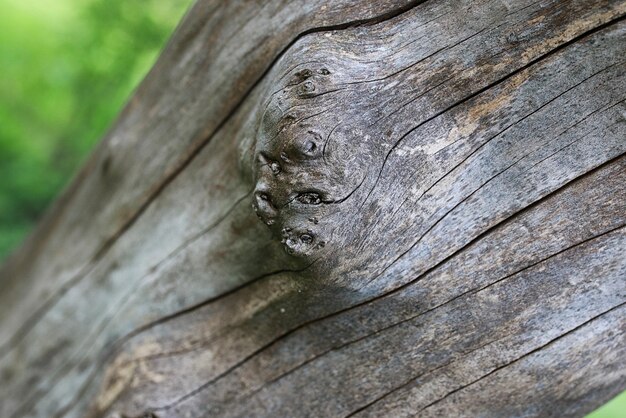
(67, 67)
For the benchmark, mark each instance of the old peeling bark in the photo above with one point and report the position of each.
(440, 198)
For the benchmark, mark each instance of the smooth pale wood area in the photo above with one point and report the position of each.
(465, 256)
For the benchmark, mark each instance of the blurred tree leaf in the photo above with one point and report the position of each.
(68, 66)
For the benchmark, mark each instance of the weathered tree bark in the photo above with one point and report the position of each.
(440, 198)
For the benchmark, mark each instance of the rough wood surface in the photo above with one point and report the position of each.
(379, 208)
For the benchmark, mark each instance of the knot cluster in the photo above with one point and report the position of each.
(290, 171)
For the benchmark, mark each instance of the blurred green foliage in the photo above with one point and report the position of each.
(67, 67)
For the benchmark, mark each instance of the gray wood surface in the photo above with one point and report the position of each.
(339, 208)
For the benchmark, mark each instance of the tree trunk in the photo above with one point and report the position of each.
(338, 208)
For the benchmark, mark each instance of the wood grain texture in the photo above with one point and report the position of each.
(441, 189)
